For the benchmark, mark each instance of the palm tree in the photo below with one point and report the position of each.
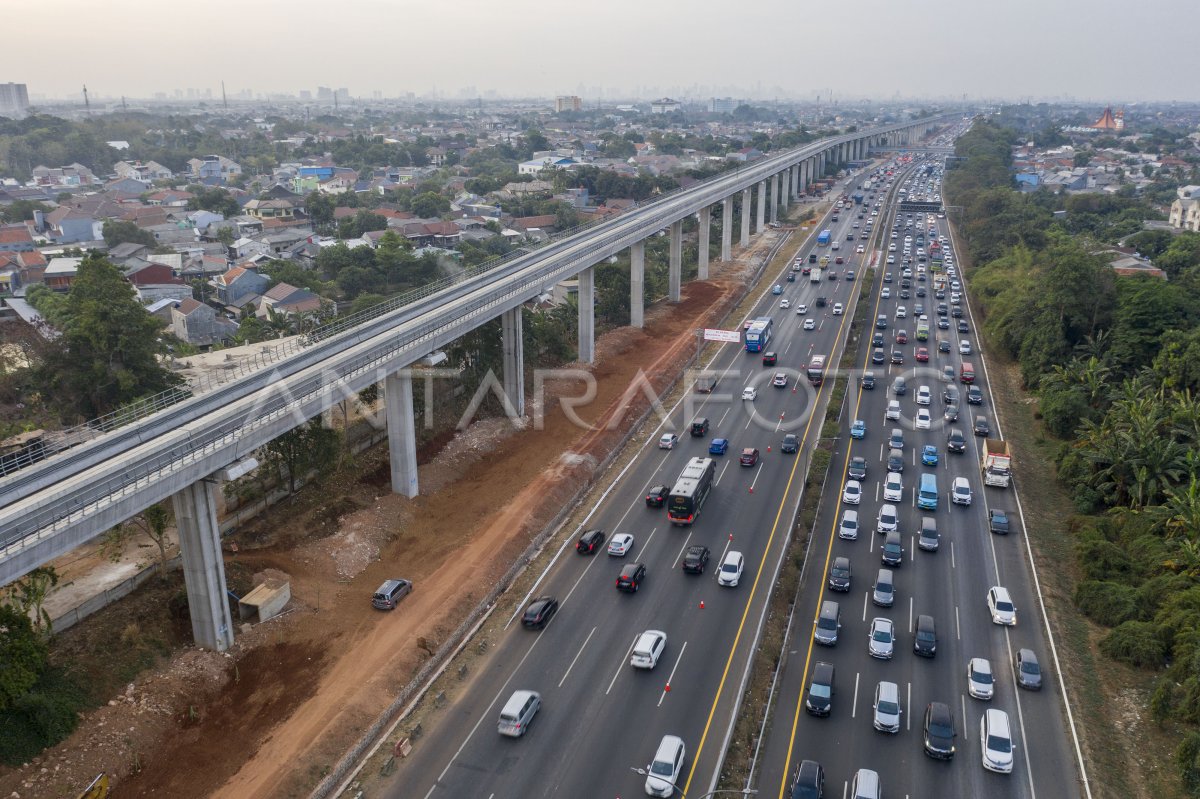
(279, 323)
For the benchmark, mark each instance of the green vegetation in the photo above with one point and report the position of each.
(1112, 362)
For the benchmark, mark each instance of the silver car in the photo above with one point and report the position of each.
(979, 679)
(887, 707)
(882, 639)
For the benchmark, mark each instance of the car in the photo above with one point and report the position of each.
(927, 538)
(819, 701)
(882, 639)
(929, 455)
(858, 429)
(388, 595)
(1001, 607)
(942, 309)
(790, 444)
(801, 309)
(777, 289)
(860, 249)
(718, 446)
(957, 312)
(886, 293)
(955, 441)
(964, 347)
(924, 396)
(791, 277)
(901, 336)
(731, 569)
(881, 321)
(895, 460)
(1028, 670)
(943, 324)
(962, 326)
(898, 355)
(770, 359)
(887, 520)
(979, 678)
(922, 355)
(974, 395)
(839, 260)
(921, 289)
(857, 468)
(981, 426)
(925, 639)
(592, 540)
(809, 782)
(939, 731)
(837, 309)
(664, 770)
(896, 438)
(848, 526)
(812, 259)
(821, 302)
(877, 356)
(923, 420)
(948, 373)
(886, 707)
(785, 303)
(749, 393)
(893, 411)
(539, 612)
(867, 380)
(852, 493)
(893, 487)
(995, 739)
(631, 576)
(620, 545)
(950, 395)
(780, 380)
(695, 559)
(699, 427)
(850, 275)
(647, 649)
(892, 552)
(810, 324)
(901, 312)
(998, 521)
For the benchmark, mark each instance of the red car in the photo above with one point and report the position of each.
(806, 270)
(901, 337)
(749, 456)
(839, 260)
(922, 354)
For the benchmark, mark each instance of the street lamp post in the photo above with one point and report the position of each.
(742, 791)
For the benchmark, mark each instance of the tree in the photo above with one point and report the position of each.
(297, 452)
(118, 232)
(429, 204)
(153, 521)
(23, 653)
(107, 354)
(29, 594)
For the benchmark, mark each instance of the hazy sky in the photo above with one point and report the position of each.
(1100, 50)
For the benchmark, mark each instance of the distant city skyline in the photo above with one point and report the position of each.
(769, 49)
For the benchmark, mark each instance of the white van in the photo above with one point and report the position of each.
(995, 739)
(518, 712)
(865, 785)
(664, 770)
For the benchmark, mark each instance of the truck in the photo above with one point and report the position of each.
(997, 463)
(823, 237)
(858, 198)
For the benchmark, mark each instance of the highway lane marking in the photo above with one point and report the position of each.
(722, 474)
(671, 676)
(646, 545)
(682, 549)
(854, 702)
(757, 473)
(576, 658)
(908, 702)
(721, 421)
(621, 665)
(912, 548)
(953, 564)
(957, 627)
(865, 595)
(910, 615)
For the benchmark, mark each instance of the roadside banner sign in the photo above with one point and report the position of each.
(714, 334)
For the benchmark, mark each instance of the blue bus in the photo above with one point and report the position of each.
(927, 497)
(759, 334)
(823, 237)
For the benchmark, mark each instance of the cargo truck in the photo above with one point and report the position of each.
(997, 463)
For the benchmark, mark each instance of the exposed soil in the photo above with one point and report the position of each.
(272, 716)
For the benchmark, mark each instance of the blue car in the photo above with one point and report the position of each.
(777, 289)
(718, 446)
(929, 455)
(858, 429)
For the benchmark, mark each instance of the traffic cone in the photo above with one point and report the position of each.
(702, 604)
(667, 688)
(731, 536)
(768, 449)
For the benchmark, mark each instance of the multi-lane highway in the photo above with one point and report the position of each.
(950, 584)
(600, 717)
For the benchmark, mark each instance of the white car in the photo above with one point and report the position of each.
(901, 312)
(882, 639)
(785, 303)
(837, 309)
(801, 309)
(620, 544)
(923, 420)
(954, 285)
(749, 393)
(852, 493)
(979, 679)
(960, 491)
(848, 527)
(964, 347)
(995, 738)
(891, 248)
(893, 488)
(891, 259)
(888, 520)
(731, 569)
(887, 707)
(923, 395)
(647, 649)
(667, 441)
(1001, 607)
(885, 293)
(861, 249)
(892, 414)
(810, 324)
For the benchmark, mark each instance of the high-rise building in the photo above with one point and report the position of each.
(14, 100)
(567, 102)
(723, 105)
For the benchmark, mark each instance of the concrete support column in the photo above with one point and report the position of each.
(745, 239)
(774, 191)
(761, 216)
(402, 434)
(675, 266)
(727, 229)
(791, 183)
(637, 283)
(785, 178)
(805, 174)
(203, 566)
(587, 315)
(511, 326)
(703, 231)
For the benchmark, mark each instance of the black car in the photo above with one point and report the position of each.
(963, 327)
(942, 309)
(539, 612)
(839, 574)
(812, 257)
(592, 540)
(770, 359)
(877, 340)
(956, 311)
(1029, 671)
(956, 441)
(904, 294)
(944, 324)
(695, 559)
(867, 380)
(631, 577)
(819, 701)
(895, 460)
(821, 302)
(791, 278)
(925, 641)
(921, 290)
(809, 782)
(998, 521)
(974, 395)
(656, 497)
(950, 395)
(897, 356)
(982, 427)
(951, 413)
(877, 356)
(892, 552)
(858, 468)
(790, 444)
(939, 731)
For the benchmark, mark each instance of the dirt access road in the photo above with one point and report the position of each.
(273, 715)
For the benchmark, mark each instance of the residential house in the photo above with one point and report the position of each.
(173, 233)
(71, 175)
(665, 105)
(238, 284)
(171, 198)
(213, 169)
(67, 225)
(15, 238)
(127, 251)
(286, 299)
(271, 209)
(1185, 211)
(280, 241)
(60, 273)
(247, 247)
(126, 188)
(198, 324)
(30, 267)
(146, 173)
(536, 165)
